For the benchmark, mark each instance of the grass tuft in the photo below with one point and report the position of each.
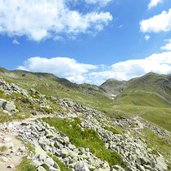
(25, 165)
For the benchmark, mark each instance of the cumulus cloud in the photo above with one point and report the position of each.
(167, 46)
(158, 63)
(61, 66)
(154, 3)
(97, 74)
(44, 19)
(158, 23)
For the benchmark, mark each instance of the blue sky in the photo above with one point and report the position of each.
(88, 40)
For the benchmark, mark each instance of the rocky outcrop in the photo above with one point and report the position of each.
(8, 107)
(129, 123)
(33, 95)
(156, 130)
(72, 107)
(136, 123)
(12, 88)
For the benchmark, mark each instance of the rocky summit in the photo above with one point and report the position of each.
(51, 124)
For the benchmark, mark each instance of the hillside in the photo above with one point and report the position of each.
(113, 87)
(148, 96)
(59, 87)
(51, 124)
(150, 84)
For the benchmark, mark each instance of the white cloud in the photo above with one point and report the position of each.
(147, 37)
(100, 2)
(43, 19)
(157, 23)
(167, 46)
(60, 66)
(87, 73)
(15, 42)
(154, 3)
(158, 63)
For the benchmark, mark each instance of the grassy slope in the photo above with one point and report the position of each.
(149, 90)
(61, 88)
(148, 96)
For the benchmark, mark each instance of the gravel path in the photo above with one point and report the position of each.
(13, 149)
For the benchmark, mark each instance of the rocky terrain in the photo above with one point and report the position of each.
(48, 137)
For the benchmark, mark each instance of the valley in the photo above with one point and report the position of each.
(51, 124)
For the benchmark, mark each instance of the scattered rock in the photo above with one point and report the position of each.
(6, 140)
(4, 159)
(160, 163)
(40, 168)
(35, 133)
(12, 88)
(22, 149)
(133, 150)
(11, 166)
(8, 107)
(156, 130)
(81, 166)
(44, 138)
(117, 167)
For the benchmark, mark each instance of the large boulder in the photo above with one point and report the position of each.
(7, 106)
(2, 103)
(10, 107)
(41, 168)
(64, 153)
(118, 168)
(161, 165)
(49, 161)
(81, 166)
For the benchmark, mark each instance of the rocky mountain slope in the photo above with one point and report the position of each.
(113, 87)
(51, 124)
